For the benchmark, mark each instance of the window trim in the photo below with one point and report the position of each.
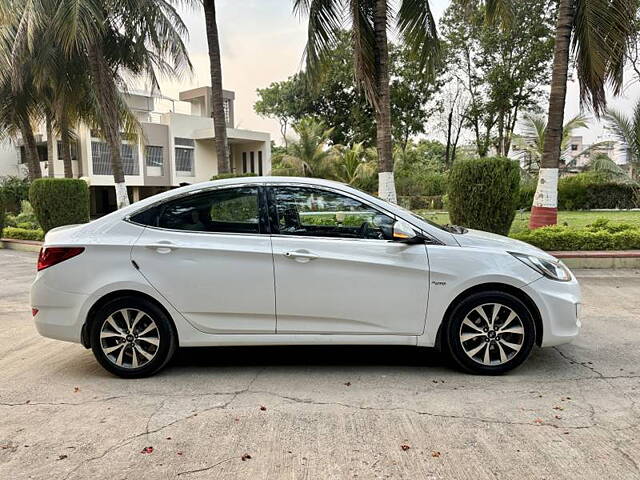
(263, 226)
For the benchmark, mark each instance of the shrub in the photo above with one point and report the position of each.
(483, 193)
(222, 176)
(598, 236)
(23, 234)
(525, 196)
(15, 190)
(59, 201)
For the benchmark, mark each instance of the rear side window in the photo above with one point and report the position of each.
(231, 210)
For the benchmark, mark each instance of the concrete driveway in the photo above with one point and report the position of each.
(569, 412)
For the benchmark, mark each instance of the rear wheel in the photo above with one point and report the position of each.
(490, 333)
(132, 338)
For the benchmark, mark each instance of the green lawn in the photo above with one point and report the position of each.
(573, 219)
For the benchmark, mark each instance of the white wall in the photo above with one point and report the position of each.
(9, 160)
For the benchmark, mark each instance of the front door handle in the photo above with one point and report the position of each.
(302, 256)
(161, 247)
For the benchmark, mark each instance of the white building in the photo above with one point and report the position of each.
(174, 148)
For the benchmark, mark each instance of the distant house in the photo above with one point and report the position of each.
(176, 146)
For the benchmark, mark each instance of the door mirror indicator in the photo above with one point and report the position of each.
(405, 233)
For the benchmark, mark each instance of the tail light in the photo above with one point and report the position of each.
(50, 256)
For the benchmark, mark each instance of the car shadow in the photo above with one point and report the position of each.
(309, 355)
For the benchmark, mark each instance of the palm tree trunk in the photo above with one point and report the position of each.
(545, 202)
(107, 94)
(219, 120)
(66, 149)
(386, 183)
(52, 147)
(31, 150)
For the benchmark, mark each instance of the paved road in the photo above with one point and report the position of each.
(570, 412)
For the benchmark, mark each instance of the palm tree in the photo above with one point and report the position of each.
(531, 139)
(369, 20)
(217, 100)
(598, 33)
(602, 164)
(627, 130)
(310, 155)
(352, 164)
(141, 38)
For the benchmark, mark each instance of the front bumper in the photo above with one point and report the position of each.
(58, 312)
(559, 304)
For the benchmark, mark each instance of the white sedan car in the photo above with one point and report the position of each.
(294, 261)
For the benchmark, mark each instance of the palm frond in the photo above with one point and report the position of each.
(602, 31)
(625, 130)
(419, 31)
(325, 22)
(363, 39)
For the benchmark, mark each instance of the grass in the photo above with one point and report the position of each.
(573, 219)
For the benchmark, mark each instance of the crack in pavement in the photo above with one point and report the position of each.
(206, 468)
(29, 403)
(576, 362)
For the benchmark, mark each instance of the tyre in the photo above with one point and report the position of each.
(490, 333)
(132, 338)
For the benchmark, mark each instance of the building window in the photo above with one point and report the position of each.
(574, 147)
(184, 156)
(154, 157)
(244, 162)
(260, 162)
(101, 158)
(74, 150)
(253, 162)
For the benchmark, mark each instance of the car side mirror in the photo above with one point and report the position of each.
(405, 233)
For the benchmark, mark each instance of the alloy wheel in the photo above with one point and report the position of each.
(492, 334)
(129, 338)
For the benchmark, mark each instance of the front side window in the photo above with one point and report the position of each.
(231, 210)
(322, 213)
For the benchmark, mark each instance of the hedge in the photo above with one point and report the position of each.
(483, 193)
(23, 234)
(598, 236)
(586, 192)
(59, 201)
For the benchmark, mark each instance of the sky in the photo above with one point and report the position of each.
(262, 41)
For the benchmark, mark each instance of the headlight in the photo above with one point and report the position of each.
(553, 269)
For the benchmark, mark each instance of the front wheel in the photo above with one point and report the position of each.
(490, 333)
(132, 338)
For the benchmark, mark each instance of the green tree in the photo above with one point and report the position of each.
(502, 70)
(310, 155)
(369, 21)
(335, 99)
(353, 165)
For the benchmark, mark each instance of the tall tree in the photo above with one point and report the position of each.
(598, 32)
(217, 100)
(369, 20)
(503, 70)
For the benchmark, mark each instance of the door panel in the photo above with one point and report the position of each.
(350, 286)
(220, 283)
(206, 254)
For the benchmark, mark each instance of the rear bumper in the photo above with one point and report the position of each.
(58, 312)
(559, 304)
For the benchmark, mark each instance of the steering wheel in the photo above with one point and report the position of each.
(364, 230)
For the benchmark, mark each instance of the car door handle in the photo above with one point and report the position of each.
(301, 256)
(161, 247)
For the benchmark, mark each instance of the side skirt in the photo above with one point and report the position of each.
(208, 340)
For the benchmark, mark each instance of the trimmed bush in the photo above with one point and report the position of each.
(23, 234)
(59, 201)
(483, 193)
(16, 190)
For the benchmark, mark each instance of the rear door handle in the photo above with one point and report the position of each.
(161, 247)
(301, 256)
